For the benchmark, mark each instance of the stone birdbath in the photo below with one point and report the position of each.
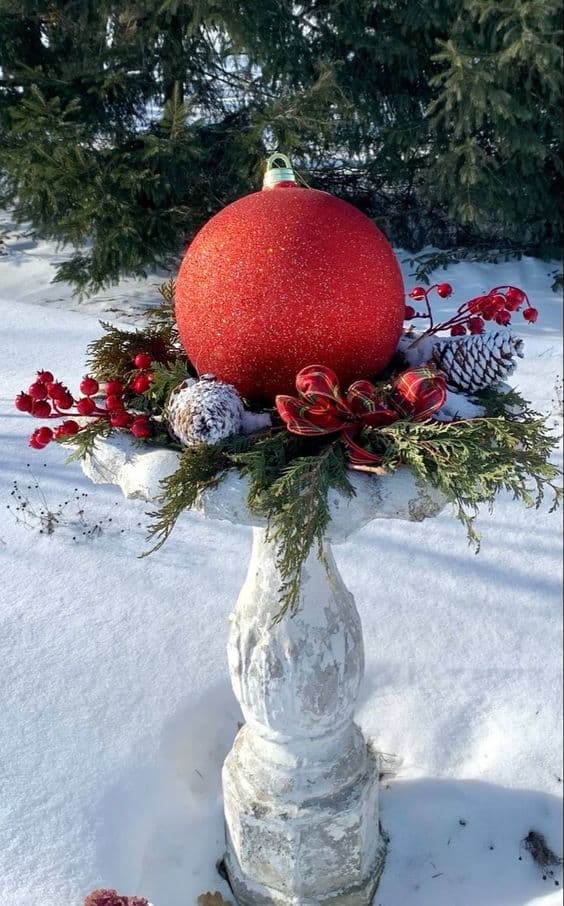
(300, 784)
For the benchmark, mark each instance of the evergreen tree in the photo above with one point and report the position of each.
(125, 126)
(497, 116)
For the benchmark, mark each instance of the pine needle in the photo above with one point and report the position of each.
(200, 468)
(85, 441)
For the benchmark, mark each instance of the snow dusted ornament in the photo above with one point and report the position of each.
(475, 362)
(206, 411)
(283, 278)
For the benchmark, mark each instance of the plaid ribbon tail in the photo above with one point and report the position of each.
(358, 456)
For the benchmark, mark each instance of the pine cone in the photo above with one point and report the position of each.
(203, 411)
(473, 362)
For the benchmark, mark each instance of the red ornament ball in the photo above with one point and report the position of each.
(284, 278)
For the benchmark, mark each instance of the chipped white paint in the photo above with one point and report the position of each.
(300, 783)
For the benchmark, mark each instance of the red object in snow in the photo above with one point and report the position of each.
(285, 277)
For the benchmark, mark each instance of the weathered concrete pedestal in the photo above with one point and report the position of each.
(300, 783)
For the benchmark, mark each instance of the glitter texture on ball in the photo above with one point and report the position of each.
(284, 278)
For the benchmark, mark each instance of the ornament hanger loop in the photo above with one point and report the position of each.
(275, 173)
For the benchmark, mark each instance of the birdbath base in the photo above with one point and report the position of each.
(300, 783)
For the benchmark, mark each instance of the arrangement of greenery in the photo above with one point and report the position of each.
(470, 460)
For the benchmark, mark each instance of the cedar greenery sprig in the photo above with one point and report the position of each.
(111, 355)
(84, 441)
(200, 468)
(161, 318)
(297, 507)
(164, 380)
(289, 484)
(469, 460)
(472, 460)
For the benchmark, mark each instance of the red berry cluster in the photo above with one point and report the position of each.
(108, 897)
(497, 305)
(48, 398)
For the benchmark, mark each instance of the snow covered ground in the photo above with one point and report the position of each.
(116, 712)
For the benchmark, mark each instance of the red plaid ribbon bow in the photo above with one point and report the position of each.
(323, 409)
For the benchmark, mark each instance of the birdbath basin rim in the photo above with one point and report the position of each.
(139, 469)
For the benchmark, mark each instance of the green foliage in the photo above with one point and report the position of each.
(123, 127)
(427, 262)
(289, 483)
(497, 115)
(111, 356)
(289, 488)
(557, 281)
(84, 442)
(472, 460)
(499, 402)
(296, 504)
(200, 468)
(161, 318)
(165, 379)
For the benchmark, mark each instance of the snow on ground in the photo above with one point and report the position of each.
(116, 708)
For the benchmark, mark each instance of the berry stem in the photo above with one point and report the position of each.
(428, 304)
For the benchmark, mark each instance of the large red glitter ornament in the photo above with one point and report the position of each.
(285, 278)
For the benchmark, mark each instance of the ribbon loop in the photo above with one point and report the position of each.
(322, 408)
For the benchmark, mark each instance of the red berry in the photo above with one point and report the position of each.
(89, 386)
(44, 434)
(113, 388)
(488, 311)
(67, 429)
(140, 383)
(512, 305)
(56, 390)
(114, 402)
(409, 312)
(530, 314)
(497, 301)
(418, 292)
(458, 330)
(23, 402)
(444, 290)
(35, 443)
(120, 419)
(477, 304)
(515, 296)
(66, 401)
(38, 390)
(140, 426)
(503, 317)
(85, 406)
(476, 325)
(41, 409)
(143, 360)
(44, 376)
